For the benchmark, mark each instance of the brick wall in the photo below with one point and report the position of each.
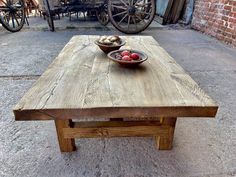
(216, 18)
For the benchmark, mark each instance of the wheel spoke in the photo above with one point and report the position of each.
(123, 3)
(128, 21)
(129, 2)
(16, 20)
(13, 23)
(119, 7)
(119, 14)
(4, 9)
(132, 2)
(122, 19)
(140, 18)
(145, 13)
(133, 18)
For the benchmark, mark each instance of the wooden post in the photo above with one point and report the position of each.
(165, 142)
(66, 145)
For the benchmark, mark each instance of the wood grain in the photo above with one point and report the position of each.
(115, 129)
(83, 82)
(164, 142)
(66, 144)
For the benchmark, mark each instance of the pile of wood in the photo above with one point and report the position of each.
(170, 10)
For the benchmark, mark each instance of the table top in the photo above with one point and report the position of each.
(83, 82)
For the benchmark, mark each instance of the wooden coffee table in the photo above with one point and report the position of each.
(83, 83)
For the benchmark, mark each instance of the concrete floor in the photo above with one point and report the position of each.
(202, 147)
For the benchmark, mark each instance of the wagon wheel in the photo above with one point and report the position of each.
(102, 15)
(12, 14)
(49, 15)
(131, 16)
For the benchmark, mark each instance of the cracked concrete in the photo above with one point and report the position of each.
(202, 147)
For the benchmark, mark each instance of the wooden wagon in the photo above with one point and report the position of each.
(128, 16)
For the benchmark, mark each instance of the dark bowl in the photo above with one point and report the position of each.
(132, 63)
(108, 48)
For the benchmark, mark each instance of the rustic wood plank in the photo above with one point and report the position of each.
(167, 12)
(83, 82)
(115, 123)
(175, 12)
(66, 144)
(165, 142)
(115, 129)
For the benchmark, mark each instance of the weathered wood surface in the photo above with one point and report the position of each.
(83, 82)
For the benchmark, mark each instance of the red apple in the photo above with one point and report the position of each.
(126, 58)
(125, 53)
(134, 56)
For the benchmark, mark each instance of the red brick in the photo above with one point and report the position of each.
(225, 18)
(232, 20)
(216, 18)
(228, 8)
(232, 3)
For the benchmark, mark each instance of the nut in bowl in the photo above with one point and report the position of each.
(109, 43)
(128, 58)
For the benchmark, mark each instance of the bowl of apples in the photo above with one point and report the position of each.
(126, 57)
(109, 43)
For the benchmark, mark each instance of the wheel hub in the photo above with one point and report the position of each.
(12, 8)
(131, 10)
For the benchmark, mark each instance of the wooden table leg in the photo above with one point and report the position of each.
(66, 144)
(164, 142)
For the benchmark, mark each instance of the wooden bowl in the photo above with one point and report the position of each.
(108, 48)
(143, 57)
